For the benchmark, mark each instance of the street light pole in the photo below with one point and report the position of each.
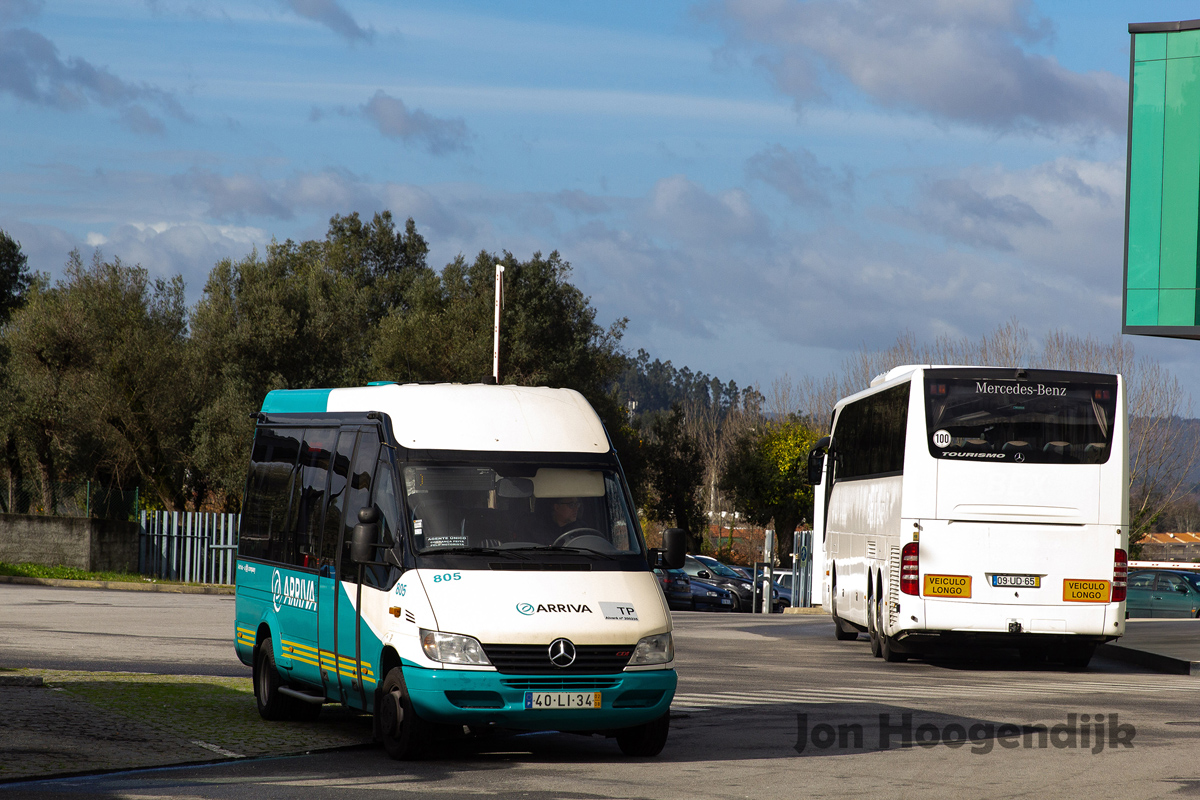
(496, 328)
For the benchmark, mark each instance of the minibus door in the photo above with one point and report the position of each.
(336, 674)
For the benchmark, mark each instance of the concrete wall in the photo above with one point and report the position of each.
(98, 545)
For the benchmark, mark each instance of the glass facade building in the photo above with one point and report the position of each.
(1162, 213)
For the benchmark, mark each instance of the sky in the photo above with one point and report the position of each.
(762, 187)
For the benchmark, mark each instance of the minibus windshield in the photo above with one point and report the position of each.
(519, 510)
(1020, 420)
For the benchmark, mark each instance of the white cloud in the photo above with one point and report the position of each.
(957, 60)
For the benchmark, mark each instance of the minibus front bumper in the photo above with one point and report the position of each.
(468, 697)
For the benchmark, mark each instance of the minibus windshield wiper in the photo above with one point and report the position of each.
(474, 551)
(561, 549)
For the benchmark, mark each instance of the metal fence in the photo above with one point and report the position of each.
(193, 546)
(82, 499)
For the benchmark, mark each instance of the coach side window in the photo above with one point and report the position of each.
(268, 492)
(870, 435)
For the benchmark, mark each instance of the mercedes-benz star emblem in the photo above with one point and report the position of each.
(1019, 457)
(562, 653)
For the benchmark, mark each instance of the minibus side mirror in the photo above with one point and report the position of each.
(674, 548)
(365, 537)
(816, 459)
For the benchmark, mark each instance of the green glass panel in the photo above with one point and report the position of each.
(1141, 307)
(1177, 307)
(1181, 175)
(1149, 46)
(1183, 44)
(1146, 174)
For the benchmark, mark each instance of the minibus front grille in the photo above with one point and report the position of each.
(534, 659)
(561, 684)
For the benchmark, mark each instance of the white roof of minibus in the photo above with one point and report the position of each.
(455, 416)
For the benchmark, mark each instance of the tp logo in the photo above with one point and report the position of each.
(276, 590)
(525, 608)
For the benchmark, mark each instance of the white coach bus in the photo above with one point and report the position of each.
(976, 506)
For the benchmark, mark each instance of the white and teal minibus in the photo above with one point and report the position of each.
(961, 506)
(451, 557)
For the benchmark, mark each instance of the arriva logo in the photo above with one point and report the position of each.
(294, 592)
(529, 609)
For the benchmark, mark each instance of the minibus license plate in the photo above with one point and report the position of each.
(1019, 581)
(556, 700)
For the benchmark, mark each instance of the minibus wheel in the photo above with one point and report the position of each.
(403, 733)
(272, 705)
(645, 740)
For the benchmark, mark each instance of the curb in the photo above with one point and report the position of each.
(1144, 658)
(803, 610)
(21, 680)
(124, 586)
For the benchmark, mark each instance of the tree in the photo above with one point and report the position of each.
(98, 381)
(289, 321)
(764, 475)
(675, 469)
(15, 280)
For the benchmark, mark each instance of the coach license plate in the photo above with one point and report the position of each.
(559, 700)
(1018, 581)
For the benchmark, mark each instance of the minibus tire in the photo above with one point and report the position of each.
(646, 740)
(873, 627)
(272, 704)
(839, 632)
(408, 742)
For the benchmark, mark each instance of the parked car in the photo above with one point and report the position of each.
(741, 592)
(710, 597)
(677, 588)
(780, 598)
(1163, 593)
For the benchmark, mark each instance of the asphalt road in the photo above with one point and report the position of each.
(767, 708)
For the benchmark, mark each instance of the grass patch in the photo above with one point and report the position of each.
(217, 710)
(65, 573)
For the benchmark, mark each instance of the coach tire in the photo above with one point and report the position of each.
(272, 705)
(1077, 655)
(646, 740)
(404, 734)
(841, 633)
(873, 627)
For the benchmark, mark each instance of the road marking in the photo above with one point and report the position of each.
(218, 750)
(703, 700)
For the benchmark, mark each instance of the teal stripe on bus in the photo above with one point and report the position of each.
(296, 401)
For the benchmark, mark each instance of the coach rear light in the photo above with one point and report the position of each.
(1120, 575)
(910, 568)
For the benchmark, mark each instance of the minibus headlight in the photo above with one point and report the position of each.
(657, 649)
(453, 648)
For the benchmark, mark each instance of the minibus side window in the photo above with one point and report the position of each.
(268, 489)
(387, 500)
(314, 466)
(358, 496)
(337, 501)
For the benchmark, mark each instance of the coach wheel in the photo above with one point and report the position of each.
(873, 626)
(1077, 655)
(272, 704)
(842, 630)
(404, 734)
(890, 652)
(645, 740)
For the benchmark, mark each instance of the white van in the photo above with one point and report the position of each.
(451, 555)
